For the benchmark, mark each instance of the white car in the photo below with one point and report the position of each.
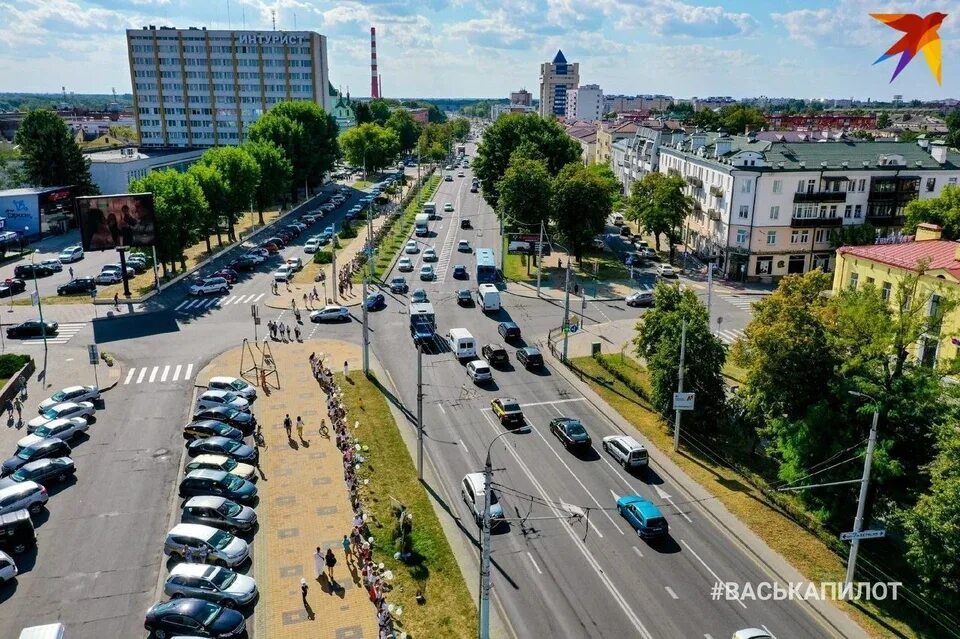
(411, 247)
(234, 385)
(330, 313)
(8, 568)
(426, 272)
(108, 275)
(665, 270)
(209, 285)
(448, 207)
(70, 394)
(221, 462)
(312, 245)
(71, 254)
(65, 429)
(463, 246)
(203, 581)
(752, 633)
(479, 371)
(256, 256)
(295, 263)
(54, 265)
(429, 255)
(62, 411)
(404, 265)
(284, 273)
(215, 398)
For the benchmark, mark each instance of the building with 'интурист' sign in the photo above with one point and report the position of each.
(199, 88)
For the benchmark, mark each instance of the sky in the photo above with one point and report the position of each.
(487, 48)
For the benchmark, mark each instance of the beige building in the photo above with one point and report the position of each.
(521, 97)
(555, 78)
(607, 134)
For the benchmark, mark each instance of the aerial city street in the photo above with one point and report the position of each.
(281, 359)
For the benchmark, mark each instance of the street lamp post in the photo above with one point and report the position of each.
(864, 485)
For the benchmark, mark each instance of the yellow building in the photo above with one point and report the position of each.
(885, 265)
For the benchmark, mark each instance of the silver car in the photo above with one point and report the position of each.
(70, 394)
(65, 429)
(63, 411)
(219, 585)
(185, 541)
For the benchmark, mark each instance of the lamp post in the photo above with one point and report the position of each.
(483, 632)
(864, 485)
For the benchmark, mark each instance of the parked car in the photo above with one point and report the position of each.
(65, 429)
(32, 328)
(404, 265)
(27, 495)
(218, 483)
(201, 428)
(24, 271)
(257, 254)
(570, 432)
(666, 271)
(12, 286)
(214, 285)
(213, 583)
(236, 385)
(219, 512)
(228, 274)
(70, 394)
(509, 331)
(313, 244)
(640, 298)
(507, 410)
(221, 462)
(46, 471)
(331, 313)
(228, 415)
(51, 447)
(221, 547)
(399, 285)
(109, 275)
(284, 273)
(77, 286)
(222, 446)
(419, 296)
(295, 263)
(71, 254)
(529, 357)
(193, 618)
(53, 264)
(376, 301)
(212, 398)
(17, 532)
(62, 411)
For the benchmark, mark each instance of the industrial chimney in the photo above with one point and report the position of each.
(374, 76)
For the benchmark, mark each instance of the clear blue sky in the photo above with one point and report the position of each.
(435, 48)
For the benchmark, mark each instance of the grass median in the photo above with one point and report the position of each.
(448, 610)
(400, 229)
(624, 384)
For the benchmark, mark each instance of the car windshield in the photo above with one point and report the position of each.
(43, 431)
(59, 397)
(27, 452)
(656, 522)
(51, 414)
(220, 540)
(223, 578)
(238, 385)
(229, 464)
(229, 509)
(512, 407)
(229, 397)
(233, 482)
(207, 612)
(20, 475)
(575, 428)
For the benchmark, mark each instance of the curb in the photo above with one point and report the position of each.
(618, 298)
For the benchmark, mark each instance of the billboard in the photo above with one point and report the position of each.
(116, 221)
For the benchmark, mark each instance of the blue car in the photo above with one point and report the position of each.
(460, 272)
(645, 518)
(376, 301)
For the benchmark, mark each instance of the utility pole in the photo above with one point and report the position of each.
(539, 258)
(566, 312)
(366, 324)
(862, 500)
(683, 355)
(709, 296)
(485, 552)
(420, 412)
(333, 264)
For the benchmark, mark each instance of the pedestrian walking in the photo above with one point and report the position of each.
(18, 404)
(346, 548)
(304, 299)
(70, 270)
(346, 369)
(299, 428)
(9, 408)
(288, 426)
(288, 285)
(116, 301)
(296, 330)
(316, 295)
(331, 561)
(318, 563)
(303, 590)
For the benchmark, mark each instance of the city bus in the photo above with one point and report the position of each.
(486, 266)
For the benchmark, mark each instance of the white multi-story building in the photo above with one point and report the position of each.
(199, 88)
(632, 158)
(555, 78)
(585, 103)
(496, 110)
(113, 170)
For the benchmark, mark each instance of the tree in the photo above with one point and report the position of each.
(605, 173)
(126, 132)
(706, 119)
(434, 143)
(307, 135)
(658, 204)
(853, 235)
(49, 155)
(581, 204)
(361, 112)
(525, 192)
(943, 210)
(506, 134)
(178, 202)
(658, 342)
(739, 119)
(379, 110)
(406, 128)
(953, 129)
(214, 188)
(276, 173)
(459, 128)
(883, 120)
(241, 175)
(370, 145)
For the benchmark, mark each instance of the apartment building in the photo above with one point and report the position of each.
(632, 158)
(199, 88)
(765, 209)
(521, 97)
(585, 133)
(645, 102)
(555, 78)
(610, 132)
(585, 103)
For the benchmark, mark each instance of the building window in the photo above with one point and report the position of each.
(800, 237)
(935, 314)
(862, 185)
(811, 186)
(885, 291)
(833, 210)
(764, 265)
(931, 184)
(741, 236)
(853, 280)
(774, 212)
(744, 211)
(858, 211)
(952, 181)
(847, 211)
(818, 235)
(771, 237)
(777, 186)
(869, 281)
(745, 186)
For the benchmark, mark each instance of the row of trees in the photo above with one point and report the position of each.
(375, 146)
(531, 172)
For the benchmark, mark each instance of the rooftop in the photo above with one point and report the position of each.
(130, 154)
(559, 59)
(941, 253)
(30, 190)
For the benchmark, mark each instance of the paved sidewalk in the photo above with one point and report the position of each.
(303, 501)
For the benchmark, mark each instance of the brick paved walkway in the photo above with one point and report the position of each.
(303, 502)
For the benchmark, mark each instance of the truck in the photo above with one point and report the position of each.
(423, 322)
(421, 224)
(430, 208)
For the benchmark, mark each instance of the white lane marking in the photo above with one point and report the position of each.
(215, 302)
(575, 538)
(767, 630)
(232, 297)
(257, 298)
(440, 406)
(663, 495)
(182, 304)
(709, 569)
(143, 371)
(464, 447)
(556, 401)
(189, 372)
(671, 592)
(637, 550)
(176, 373)
(153, 374)
(166, 369)
(129, 376)
(533, 561)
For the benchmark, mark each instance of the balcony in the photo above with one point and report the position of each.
(716, 191)
(818, 222)
(713, 214)
(820, 196)
(694, 181)
(899, 197)
(673, 172)
(884, 221)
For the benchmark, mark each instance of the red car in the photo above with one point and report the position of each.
(228, 274)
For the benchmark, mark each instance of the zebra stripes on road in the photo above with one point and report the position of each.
(743, 302)
(159, 374)
(64, 333)
(198, 303)
(729, 336)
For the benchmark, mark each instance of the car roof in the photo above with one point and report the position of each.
(192, 570)
(530, 350)
(210, 458)
(208, 473)
(508, 324)
(646, 508)
(206, 501)
(223, 379)
(626, 440)
(213, 393)
(19, 488)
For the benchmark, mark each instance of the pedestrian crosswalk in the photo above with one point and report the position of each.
(743, 302)
(159, 374)
(64, 333)
(199, 303)
(729, 336)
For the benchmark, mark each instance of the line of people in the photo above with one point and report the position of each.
(281, 332)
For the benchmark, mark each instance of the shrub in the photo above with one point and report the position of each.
(10, 363)
(323, 257)
(347, 231)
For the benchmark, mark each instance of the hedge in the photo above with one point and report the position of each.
(10, 363)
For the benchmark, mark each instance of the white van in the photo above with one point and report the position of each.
(462, 343)
(49, 631)
(488, 298)
(617, 219)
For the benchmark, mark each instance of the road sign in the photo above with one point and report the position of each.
(573, 328)
(94, 355)
(863, 534)
(683, 401)
(253, 311)
(34, 298)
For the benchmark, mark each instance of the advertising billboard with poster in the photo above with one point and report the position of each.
(116, 221)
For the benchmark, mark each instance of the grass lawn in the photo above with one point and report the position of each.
(142, 283)
(798, 546)
(596, 267)
(449, 610)
(733, 372)
(54, 299)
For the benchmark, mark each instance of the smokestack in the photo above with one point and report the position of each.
(374, 76)
(380, 85)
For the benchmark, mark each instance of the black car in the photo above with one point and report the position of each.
(32, 270)
(529, 357)
(12, 287)
(43, 471)
(509, 331)
(223, 446)
(460, 272)
(196, 617)
(219, 483)
(570, 432)
(218, 512)
(464, 298)
(495, 354)
(43, 449)
(465, 224)
(230, 416)
(243, 264)
(201, 428)
(77, 285)
(32, 328)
